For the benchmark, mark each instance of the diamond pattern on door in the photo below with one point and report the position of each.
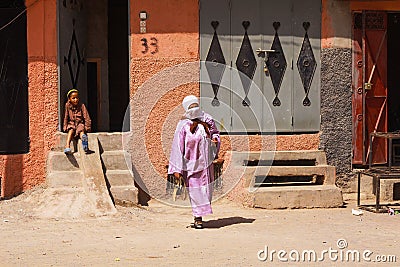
(276, 64)
(215, 63)
(246, 63)
(306, 64)
(74, 60)
(284, 95)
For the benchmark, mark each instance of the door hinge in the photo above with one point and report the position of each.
(292, 121)
(230, 4)
(292, 64)
(231, 121)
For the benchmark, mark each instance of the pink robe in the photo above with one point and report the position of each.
(192, 156)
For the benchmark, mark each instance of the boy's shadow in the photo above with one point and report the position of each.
(73, 160)
(215, 224)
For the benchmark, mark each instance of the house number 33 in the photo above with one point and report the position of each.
(150, 46)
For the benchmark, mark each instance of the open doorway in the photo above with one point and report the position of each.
(118, 62)
(393, 71)
(93, 49)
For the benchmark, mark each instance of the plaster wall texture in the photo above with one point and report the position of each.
(336, 108)
(21, 172)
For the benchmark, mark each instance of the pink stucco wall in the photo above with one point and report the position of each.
(172, 35)
(21, 172)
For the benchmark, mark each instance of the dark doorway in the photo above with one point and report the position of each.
(14, 115)
(92, 87)
(118, 62)
(393, 71)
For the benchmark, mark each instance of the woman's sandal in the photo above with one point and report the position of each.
(67, 151)
(198, 223)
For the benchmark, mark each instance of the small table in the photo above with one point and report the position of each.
(377, 174)
(387, 135)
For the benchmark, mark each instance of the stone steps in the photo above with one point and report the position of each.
(317, 196)
(115, 160)
(288, 179)
(112, 159)
(119, 177)
(58, 161)
(58, 179)
(76, 180)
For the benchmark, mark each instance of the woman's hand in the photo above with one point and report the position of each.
(215, 140)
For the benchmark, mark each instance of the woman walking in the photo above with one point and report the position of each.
(196, 144)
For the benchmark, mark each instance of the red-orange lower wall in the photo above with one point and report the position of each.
(21, 172)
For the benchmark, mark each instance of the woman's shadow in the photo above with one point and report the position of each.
(215, 224)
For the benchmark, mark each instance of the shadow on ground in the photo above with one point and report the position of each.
(226, 222)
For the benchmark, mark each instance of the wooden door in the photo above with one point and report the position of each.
(369, 85)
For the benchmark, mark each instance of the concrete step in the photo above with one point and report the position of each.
(120, 178)
(57, 179)
(124, 195)
(61, 140)
(265, 158)
(315, 196)
(58, 161)
(115, 160)
(110, 141)
(325, 174)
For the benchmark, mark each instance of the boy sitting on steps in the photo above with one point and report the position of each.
(76, 121)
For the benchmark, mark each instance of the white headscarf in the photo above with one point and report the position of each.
(188, 100)
(195, 112)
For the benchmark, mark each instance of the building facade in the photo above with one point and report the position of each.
(309, 74)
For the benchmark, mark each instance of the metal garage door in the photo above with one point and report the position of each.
(271, 81)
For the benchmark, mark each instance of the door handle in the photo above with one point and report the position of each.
(264, 52)
(368, 86)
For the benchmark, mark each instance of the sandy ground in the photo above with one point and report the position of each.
(160, 235)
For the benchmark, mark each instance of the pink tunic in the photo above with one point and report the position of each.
(192, 156)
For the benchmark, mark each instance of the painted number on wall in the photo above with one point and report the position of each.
(151, 46)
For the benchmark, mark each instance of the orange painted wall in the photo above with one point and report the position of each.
(21, 172)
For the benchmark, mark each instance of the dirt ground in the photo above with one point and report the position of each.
(160, 235)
